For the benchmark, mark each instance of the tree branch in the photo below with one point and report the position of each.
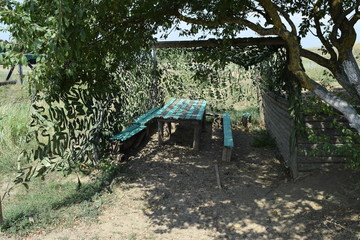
(320, 34)
(272, 10)
(339, 17)
(255, 27)
(356, 16)
(261, 12)
(288, 19)
(316, 58)
(338, 103)
(353, 8)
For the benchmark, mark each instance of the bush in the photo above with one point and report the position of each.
(263, 139)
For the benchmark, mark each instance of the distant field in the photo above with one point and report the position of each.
(15, 75)
(316, 72)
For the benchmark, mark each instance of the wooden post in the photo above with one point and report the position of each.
(203, 122)
(160, 132)
(10, 73)
(155, 76)
(226, 155)
(21, 74)
(1, 214)
(196, 140)
(261, 107)
(169, 128)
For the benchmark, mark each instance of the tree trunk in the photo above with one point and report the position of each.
(348, 74)
(338, 103)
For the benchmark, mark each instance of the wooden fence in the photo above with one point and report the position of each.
(297, 151)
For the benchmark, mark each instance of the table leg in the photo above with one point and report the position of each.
(169, 127)
(197, 136)
(160, 132)
(203, 121)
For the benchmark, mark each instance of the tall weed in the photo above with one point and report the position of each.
(14, 121)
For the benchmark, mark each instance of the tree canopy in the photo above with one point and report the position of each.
(85, 41)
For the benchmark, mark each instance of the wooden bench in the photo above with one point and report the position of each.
(147, 117)
(228, 138)
(127, 138)
(133, 135)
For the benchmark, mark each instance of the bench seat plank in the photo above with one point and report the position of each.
(145, 118)
(128, 132)
(228, 138)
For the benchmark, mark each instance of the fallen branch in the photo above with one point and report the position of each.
(7, 83)
(217, 176)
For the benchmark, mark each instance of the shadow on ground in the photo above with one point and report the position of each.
(257, 199)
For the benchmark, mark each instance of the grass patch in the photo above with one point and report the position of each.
(14, 125)
(236, 115)
(263, 139)
(58, 201)
(46, 203)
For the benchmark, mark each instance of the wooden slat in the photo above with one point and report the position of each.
(161, 111)
(276, 100)
(192, 109)
(186, 110)
(173, 109)
(128, 133)
(304, 167)
(181, 110)
(173, 104)
(196, 111)
(143, 119)
(201, 111)
(324, 118)
(281, 121)
(280, 124)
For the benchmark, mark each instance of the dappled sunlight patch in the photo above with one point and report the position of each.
(248, 225)
(310, 205)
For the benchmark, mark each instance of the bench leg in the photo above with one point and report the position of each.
(226, 156)
(161, 132)
(196, 141)
(203, 121)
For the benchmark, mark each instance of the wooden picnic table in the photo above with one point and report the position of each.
(183, 111)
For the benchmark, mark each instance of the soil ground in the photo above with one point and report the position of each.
(171, 192)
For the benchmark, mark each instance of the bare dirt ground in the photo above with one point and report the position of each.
(171, 193)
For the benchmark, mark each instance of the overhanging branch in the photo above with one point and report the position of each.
(221, 21)
(320, 34)
(316, 58)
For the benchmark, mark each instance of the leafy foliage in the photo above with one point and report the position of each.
(71, 130)
(188, 73)
(347, 143)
